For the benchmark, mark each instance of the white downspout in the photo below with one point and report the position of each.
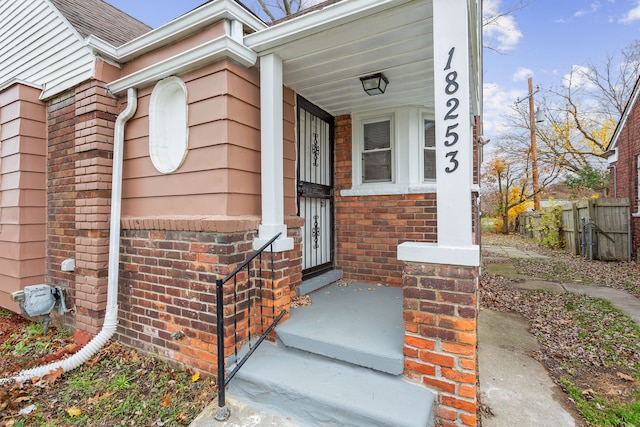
(111, 315)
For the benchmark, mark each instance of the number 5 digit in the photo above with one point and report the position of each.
(451, 134)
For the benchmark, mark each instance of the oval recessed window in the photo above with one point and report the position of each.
(168, 130)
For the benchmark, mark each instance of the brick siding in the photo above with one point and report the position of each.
(168, 281)
(624, 177)
(370, 228)
(440, 315)
(80, 124)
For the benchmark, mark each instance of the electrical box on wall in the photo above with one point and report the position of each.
(38, 300)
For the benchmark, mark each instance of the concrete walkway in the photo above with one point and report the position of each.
(515, 388)
(242, 415)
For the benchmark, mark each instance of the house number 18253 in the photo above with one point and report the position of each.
(451, 118)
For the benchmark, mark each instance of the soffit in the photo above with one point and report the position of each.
(326, 52)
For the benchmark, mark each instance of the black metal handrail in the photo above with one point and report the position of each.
(222, 412)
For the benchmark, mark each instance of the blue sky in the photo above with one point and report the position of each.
(545, 40)
(542, 40)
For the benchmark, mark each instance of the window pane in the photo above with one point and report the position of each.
(376, 166)
(377, 135)
(429, 134)
(429, 164)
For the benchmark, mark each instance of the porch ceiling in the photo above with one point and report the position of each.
(325, 53)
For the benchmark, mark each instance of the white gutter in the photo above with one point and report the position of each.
(111, 316)
(206, 53)
(177, 29)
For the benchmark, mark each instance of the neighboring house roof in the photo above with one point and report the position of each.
(623, 119)
(99, 18)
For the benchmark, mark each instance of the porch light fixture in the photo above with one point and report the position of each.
(374, 84)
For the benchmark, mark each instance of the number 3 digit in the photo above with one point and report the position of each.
(453, 161)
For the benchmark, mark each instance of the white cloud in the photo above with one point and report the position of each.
(578, 78)
(500, 31)
(522, 74)
(632, 15)
(498, 103)
(592, 9)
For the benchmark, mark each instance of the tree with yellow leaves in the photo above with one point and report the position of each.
(580, 116)
(505, 183)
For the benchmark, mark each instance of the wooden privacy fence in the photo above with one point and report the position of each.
(595, 228)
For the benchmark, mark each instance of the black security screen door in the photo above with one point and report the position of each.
(315, 187)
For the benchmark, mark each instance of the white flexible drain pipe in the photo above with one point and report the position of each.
(111, 315)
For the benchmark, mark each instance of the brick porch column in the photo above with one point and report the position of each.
(440, 312)
(95, 115)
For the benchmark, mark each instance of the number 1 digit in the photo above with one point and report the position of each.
(453, 49)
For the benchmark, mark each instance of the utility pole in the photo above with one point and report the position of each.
(534, 149)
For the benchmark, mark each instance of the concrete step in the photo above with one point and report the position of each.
(356, 323)
(318, 282)
(313, 390)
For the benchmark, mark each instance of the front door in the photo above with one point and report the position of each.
(315, 187)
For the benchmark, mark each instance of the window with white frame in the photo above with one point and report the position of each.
(377, 151)
(393, 152)
(429, 161)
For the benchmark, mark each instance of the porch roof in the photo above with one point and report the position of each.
(325, 52)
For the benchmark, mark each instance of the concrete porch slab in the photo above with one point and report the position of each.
(357, 323)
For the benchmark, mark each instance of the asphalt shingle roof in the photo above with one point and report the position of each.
(99, 18)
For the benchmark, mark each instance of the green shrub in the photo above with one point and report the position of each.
(548, 227)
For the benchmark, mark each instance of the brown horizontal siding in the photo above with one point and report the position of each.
(215, 31)
(290, 153)
(219, 175)
(22, 190)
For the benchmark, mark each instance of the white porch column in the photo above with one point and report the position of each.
(454, 144)
(271, 134)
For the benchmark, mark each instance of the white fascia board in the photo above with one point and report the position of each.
(206, 53)
(433, 253)
(12, 81)
(177, 29)
(316, 21)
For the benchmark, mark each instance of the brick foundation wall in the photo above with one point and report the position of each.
(440, 316)
(370, 228)
(168, 282)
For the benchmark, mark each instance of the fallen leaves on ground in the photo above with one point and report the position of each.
(116, 386)
(584, 342)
